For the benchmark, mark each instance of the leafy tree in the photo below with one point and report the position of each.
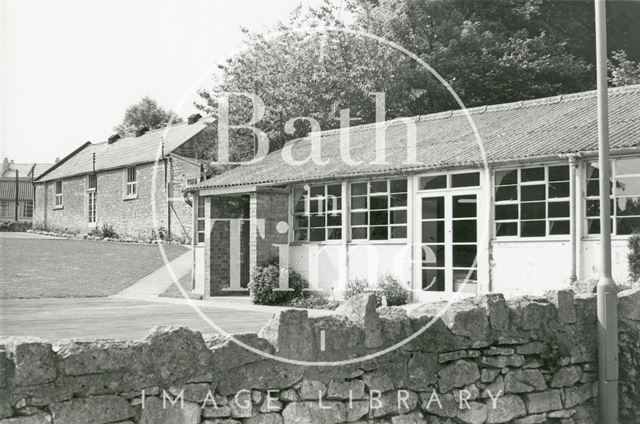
(146, 113)
(622, 70)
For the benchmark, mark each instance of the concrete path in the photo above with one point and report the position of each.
(19, 235)
(159, 280)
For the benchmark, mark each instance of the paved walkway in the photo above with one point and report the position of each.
(19, 235)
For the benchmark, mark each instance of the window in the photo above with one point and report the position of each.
(200, 219)
(27, 212)
(379, 210)
(5, 209)
(58, 194)
(625, 197)
(317, 214)
(92, 185)
(532, 202)
(460, 180)
(132, 182)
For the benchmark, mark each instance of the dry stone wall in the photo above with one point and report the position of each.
(485, 360)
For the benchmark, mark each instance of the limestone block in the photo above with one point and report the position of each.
(352, 389)
(34, 361)
(566, 376)
(361, 310)
(313, 412)
(506, 408)
(550, 400)
(93, 409)
(227, 353)
(38, 418)
(476, 413)
(564, 303)
(290, 334)
(457, 374)
(524, 381)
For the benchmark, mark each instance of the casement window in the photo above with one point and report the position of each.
(379, 210)
(132, 182)
(200, 219)
(317, 214)
(5, 209)
(27, 211)
(446, 181)
(92, 185)
(624, 190)
(532, 202)
(58, 188)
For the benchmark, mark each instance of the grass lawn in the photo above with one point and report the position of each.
(40, 268)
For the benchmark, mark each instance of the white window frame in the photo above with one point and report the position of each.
(130, 185)
(200, 219)
(91, 194)
(322, 200)
(5, 209)
(25, 208)
(518, 201)
(59, 199)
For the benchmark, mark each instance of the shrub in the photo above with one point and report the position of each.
(356, 286)
(313, 302)
(633, 256)
(13, 226)
(108, 231)
(265, 278)
(394, 291)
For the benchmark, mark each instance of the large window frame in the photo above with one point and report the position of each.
(317, 213)
(91, 193)
(624, 170)
(27, 209)
(6, 209)
(59, 200)
(131, 183)
(200, 220)
(378, 210)
(532, 202)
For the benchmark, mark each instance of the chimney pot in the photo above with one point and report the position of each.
(57, 159)
(113, 138)
(192, 119)
(141, 131)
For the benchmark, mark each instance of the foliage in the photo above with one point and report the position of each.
(356, 286)
(622, 70)
(265, 278)
(13, 226)
(146, 113)
(313, 302)
(633, 256)
(107, 231)
(393, 291)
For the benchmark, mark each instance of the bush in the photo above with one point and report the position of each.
(13, 226)
(633, 256)
(313, 302)
(357, 286)
(394, 291)
(107, 231)
(265, 278)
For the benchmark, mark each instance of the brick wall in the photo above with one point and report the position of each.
(272, 206)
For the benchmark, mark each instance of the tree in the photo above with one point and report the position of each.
(622, 70)
(146, 113)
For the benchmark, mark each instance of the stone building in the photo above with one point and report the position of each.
(133, 184)
(16, 189)
(500, 198)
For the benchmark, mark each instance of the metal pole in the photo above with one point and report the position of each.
(17, 196)
(573, 275)
(607, 293)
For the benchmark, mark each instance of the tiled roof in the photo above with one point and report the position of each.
(124, 152)
(8, 190)
(25, 170)
(511, 131)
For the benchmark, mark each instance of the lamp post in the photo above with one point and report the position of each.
(607, 300)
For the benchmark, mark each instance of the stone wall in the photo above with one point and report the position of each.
(528, 360)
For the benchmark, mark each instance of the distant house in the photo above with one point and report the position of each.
(128, 183)
(515, 214)
(16, 188)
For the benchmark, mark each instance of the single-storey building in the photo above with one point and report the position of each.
(16, 189)
(516, 213)
(119, 183)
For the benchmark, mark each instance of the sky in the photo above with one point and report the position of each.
(70, 68)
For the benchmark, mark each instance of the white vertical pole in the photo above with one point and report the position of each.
(607, 300)
(573, 236)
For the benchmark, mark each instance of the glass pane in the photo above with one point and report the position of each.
(379, 202)
(300, 235)
(627, 225)
(465, 281)
(558, 190)
(359, 202)
(398, 200)
(334, 205)
(359, 233)
(593, 188)
(200, 225)
(317, 191)
(470, 179)
(464, 206)
(301, 222)
(334, 190)
(334, 221)
(628, 186)
(593, 208)
(433, 255)
(559, 210)
(464, 255)
(533, 192)
(379, 233)
(559, 227)
(316, 234)
(628, 206)
(506, 229)
(532, 228)
(398, 186)
(399, 232)
(317, 221)
(534, 210)
(334, 234)
(378, 186)
(379, 217)
(358, 188)
(464, 230)
(433, 231)
(593, 226)
(432, 207)
(398, 217)
(532, 174)
(507, 177)
(627, 166)
(433, 280)
(506, 212)
(359, 218)
(506, 193)
(432, 182)
(593, 171)
(559, 173)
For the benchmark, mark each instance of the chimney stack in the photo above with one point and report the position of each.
(5, 165)
(57, 159)
(192, 119)
(113, 138)
(141, 131)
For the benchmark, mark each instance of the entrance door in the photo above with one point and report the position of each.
(449, 242)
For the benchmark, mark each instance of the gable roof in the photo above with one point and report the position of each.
(124, 152)
(511, 131)
(25, 170)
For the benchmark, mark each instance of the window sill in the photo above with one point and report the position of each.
(130, 197)
(56, 208)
